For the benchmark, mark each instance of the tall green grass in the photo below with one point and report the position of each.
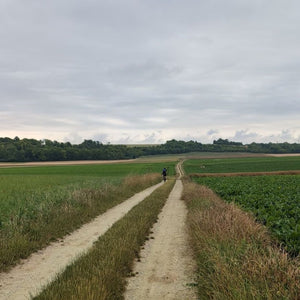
(101, 273)
(41, 204)
(23, 196)
(24, 190)
(104, 170)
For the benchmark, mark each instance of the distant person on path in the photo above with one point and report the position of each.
(164, 174)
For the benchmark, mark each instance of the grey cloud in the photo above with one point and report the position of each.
(212, 132)
(172, 68)
(143, 73)
(247, 136)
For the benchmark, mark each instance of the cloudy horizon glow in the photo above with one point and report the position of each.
(137, 71)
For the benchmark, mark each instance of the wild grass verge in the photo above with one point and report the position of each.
(102, 272)
(236, 257)
(37, 225)
(273, 200)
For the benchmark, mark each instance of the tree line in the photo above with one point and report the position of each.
(25, 150)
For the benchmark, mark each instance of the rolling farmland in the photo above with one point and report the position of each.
(273, 199)
(250, 164)
(41, 204)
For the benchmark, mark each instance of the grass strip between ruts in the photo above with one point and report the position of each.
(102, 272)
(236, 257)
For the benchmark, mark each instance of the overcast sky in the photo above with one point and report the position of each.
(140, 71)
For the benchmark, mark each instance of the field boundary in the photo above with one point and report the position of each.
(294, 172)
(236, 257)
(63, 163)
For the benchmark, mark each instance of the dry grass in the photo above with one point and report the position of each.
(139, 180)
(236, 256)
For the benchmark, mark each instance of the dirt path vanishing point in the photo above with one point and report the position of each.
(166, 267)
(40, 268)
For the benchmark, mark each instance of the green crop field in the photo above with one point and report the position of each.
(236, 257)
(40, 204)
(247, 164)
(106, 170)
(24, 189)
(274, 200)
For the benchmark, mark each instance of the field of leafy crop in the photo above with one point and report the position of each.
(274, 200)
(250, 164)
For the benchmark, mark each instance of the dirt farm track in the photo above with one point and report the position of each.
(64, 163)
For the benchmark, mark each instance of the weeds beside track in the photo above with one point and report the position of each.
(236, 258)
(273, 200)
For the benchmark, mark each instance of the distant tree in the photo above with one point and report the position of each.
(42, 150)
(226, 142)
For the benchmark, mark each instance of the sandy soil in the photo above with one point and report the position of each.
(64, 163)
(33, 273)
(283, 155)
(166, 267)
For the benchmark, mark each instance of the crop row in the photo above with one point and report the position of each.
(248, 164)
(274, 200)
